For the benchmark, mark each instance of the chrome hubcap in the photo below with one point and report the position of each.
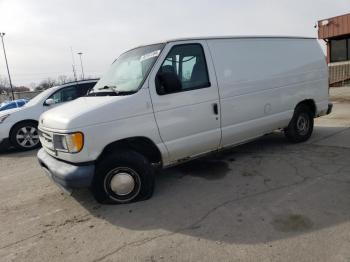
(27, 136)
(303, 125)
(122, 183)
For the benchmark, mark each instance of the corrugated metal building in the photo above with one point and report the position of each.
(336, 32)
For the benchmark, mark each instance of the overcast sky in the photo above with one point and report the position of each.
(39, 33)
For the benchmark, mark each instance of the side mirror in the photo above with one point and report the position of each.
(168, 82)
(49, 102)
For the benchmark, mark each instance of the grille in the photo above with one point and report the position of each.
(46, 139)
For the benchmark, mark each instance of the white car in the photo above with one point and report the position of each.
(160, 105)
(18, 126)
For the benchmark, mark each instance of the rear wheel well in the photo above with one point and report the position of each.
(142, 145)
(310, 104)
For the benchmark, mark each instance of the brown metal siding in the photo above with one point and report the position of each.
(337, 26)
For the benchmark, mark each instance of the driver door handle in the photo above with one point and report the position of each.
(215, 109)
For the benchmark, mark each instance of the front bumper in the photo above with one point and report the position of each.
(66, 175)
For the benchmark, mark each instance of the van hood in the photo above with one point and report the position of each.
(93, 110)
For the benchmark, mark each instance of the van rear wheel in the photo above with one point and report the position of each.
(123, 177)
(301, 126)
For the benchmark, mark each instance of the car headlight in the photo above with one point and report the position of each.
(2, 118)
(71, 143)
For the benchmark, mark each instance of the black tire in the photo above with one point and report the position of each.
(301, 126)
(25, 136)
(128, 165)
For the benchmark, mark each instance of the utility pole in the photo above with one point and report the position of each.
(81, 64)
(73, 65)
(7, 66)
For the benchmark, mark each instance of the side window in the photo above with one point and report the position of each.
(85, 88)
(183, 69)
(66, 94)
(338, 50)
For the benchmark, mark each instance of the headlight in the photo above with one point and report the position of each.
(2, 118)
(72, 143)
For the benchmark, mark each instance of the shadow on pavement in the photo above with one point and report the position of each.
(262, 191)
(15, 153)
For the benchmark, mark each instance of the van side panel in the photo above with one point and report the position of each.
(261, 80)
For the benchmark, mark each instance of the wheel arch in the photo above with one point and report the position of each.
(22, 121)
(140, 144)
(310, 103)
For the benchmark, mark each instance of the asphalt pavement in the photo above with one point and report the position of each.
(268, 200)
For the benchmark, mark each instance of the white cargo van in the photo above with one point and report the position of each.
(166, 103)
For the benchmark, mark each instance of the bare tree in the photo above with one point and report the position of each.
(62, 79)
(45, 84)
(21, 89)
(4, 85)
(32, 85)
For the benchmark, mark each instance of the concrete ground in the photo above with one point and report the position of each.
(267, 200)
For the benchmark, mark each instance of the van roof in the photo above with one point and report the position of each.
(238, 37)
(224, 37)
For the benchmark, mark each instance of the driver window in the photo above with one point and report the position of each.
(65, 94)
(186, 63)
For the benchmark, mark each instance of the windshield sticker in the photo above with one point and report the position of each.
(150, 55)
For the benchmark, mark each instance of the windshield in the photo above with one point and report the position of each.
(128, 72)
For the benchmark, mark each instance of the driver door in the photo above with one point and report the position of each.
(188, 115)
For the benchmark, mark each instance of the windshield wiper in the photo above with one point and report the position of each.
(113, 89)
(125, 93)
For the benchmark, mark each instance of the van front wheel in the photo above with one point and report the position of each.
(301, 126)
(123, 177)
